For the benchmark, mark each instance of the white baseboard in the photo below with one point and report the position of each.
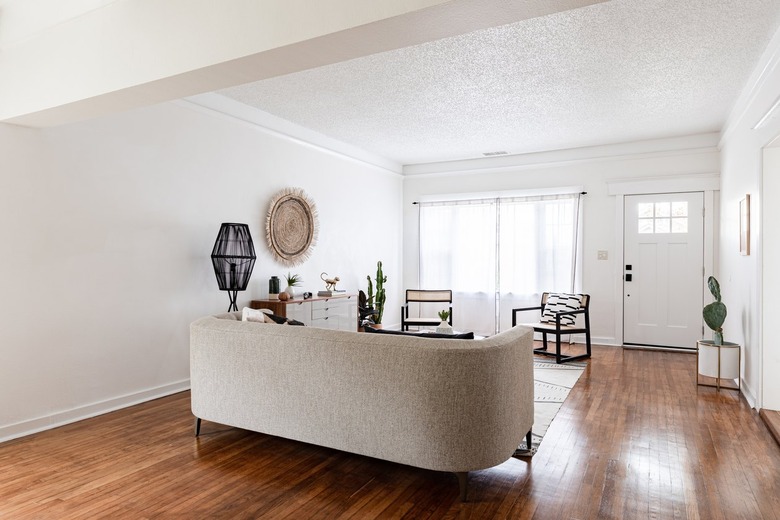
(606, 342)
(748, 395)
(21, 429)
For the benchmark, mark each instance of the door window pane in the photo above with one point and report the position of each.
(662, 225)
(679, 225)
(680, 209)
(645, 225)
(662, 209)
(645, 210)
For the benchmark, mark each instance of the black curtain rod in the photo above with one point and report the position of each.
(581, 193)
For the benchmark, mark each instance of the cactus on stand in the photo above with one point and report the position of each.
(377, 301)
(715, 312)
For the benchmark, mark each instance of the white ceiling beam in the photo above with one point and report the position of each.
(131, 53)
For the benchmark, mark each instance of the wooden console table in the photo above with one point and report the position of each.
(332, 312)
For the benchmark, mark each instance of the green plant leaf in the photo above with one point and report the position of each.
(714, 315)
(378, 299)
(714, 286)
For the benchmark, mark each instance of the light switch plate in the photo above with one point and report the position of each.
(603, 255)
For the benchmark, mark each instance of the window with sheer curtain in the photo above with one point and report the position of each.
(499, 253)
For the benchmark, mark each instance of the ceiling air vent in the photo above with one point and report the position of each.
(493, 154)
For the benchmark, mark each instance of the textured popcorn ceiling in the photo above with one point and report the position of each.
(613, 72)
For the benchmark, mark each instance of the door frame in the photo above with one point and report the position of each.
(708, 183)
(765, 248)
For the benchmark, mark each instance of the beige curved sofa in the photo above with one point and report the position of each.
(439, 404)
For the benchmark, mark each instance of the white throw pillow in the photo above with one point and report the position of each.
(561, 302)
(257, 315)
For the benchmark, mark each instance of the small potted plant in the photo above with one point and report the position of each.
(293, 280)
(715, 313)
(717, 358)
(444, 327)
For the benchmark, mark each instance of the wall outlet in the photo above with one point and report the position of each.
(603, 255)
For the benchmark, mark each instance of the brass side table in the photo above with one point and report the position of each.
(719, 362)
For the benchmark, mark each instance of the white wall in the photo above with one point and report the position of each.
(593, 169)
(106, 230)
(741, 277)
(770, 279)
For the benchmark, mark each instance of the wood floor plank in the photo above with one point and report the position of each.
(637, 438)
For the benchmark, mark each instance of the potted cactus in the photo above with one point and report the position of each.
(715, 312)
(377, 301)
(717, 358)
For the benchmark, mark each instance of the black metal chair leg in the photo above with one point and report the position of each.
(587, 333)
(463, 481)
(197, 426)
(528, 440)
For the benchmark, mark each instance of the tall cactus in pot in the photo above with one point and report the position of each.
(377, 301)
(715, 312)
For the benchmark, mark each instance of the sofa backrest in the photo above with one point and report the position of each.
(441, 404)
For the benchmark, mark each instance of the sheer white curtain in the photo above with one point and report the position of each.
(538, 250)
(458, 252)
(498, 254)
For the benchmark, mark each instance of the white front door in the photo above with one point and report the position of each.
(663, 275)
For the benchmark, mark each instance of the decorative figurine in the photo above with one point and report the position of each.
(330, 283)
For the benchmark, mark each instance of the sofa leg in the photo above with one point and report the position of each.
(463, 482)
(197, 426)
(528, 440)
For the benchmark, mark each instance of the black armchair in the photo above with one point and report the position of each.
(424, 296)
(559, 312)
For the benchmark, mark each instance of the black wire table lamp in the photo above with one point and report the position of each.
(233, 257)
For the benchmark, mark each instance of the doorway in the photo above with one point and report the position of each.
(663, 271)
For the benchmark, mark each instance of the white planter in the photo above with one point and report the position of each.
(444, 328)
(290, 290)
(729, 360)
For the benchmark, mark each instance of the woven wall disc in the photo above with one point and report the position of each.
(291, 226)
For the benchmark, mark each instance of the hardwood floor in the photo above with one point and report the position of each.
(635, 439)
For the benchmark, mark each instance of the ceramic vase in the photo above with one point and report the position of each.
(444, 328)
(273, 288)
